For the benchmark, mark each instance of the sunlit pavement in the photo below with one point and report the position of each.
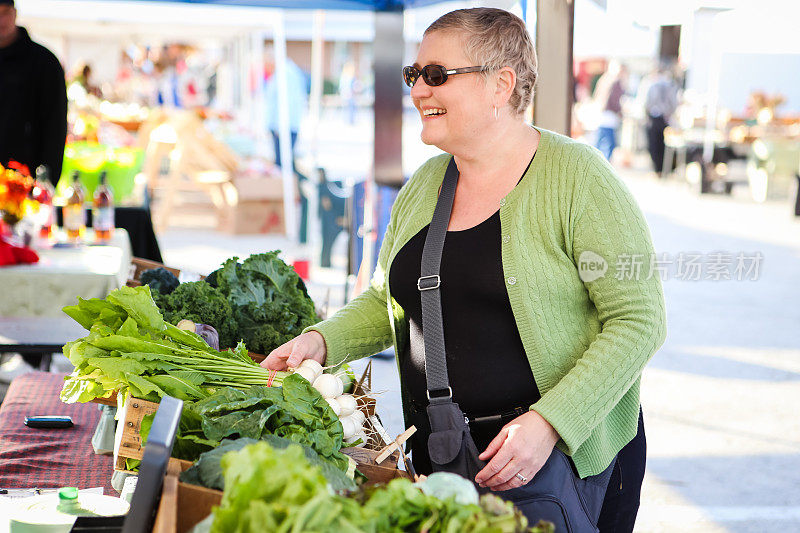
(720, 397)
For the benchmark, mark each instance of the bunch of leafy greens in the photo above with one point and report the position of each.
(269, 489)
(401, 506)
(207, 470)
(202, 304)
(160, 279)
(130, 348)
(261, 301)
(294, 411)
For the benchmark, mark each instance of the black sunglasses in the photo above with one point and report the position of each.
(434, 75)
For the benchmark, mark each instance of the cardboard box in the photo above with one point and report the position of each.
(252, 205)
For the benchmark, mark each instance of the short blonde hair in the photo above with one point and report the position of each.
(496, 38)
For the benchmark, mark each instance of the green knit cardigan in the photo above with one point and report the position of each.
(588, 304)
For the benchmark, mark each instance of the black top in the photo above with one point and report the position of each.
(486, 362)
(33, 106)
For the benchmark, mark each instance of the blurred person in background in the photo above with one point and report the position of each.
(297, 94)
(660, 101)
(608, 95)
(83, 78)
(349, 89)
(33, 99)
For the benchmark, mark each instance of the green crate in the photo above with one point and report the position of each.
(90, 159)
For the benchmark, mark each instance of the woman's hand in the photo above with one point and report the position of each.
(309, 345)
(521, 447)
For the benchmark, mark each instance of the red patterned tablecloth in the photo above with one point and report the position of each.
(48, 458)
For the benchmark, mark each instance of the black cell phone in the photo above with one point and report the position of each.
(48, 422)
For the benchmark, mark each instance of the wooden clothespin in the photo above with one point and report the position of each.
(396, 445)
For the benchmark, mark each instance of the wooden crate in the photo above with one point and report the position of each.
(183, 505)
(139, 265)
(377, 438)
(127, 440)
(375, 473)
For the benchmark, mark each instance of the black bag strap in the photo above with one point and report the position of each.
(429, 285)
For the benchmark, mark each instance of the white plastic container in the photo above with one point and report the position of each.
(57, 512)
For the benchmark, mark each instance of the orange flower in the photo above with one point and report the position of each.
(15, 186)
(19, 167)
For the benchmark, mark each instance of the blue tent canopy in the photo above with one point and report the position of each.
(370, 5)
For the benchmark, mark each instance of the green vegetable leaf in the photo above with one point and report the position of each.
(143, 388)
(179, 385)
(139, 305)
(87, 312)
(189, 338)
(117, 368)
(129, 328)
(269, 265)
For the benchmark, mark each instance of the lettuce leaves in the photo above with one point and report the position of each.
(269, 488)
(207, 470)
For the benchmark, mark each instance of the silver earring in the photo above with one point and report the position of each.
(495, 112)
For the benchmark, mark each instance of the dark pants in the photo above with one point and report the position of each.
(655, 141)
(621, 503)
(276, 139)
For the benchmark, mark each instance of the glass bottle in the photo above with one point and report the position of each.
(103, 211)
(74, 211)
(43, 193)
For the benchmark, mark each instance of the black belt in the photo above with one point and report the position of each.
(502, 418)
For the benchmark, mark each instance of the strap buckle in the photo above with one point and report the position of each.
(448, 390)
(434, 278)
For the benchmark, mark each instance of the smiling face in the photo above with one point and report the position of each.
(457, 112)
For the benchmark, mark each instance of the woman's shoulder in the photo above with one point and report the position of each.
(566, 150)
(575, 161)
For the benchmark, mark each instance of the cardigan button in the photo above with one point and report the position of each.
(512, 280)
(502, 202)
(506, 239)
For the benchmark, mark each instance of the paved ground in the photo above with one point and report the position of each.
(720, 397)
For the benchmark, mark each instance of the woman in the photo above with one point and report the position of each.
(542, 325)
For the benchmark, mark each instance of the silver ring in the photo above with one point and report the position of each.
(521, 477)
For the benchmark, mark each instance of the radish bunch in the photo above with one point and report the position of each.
(344, 405)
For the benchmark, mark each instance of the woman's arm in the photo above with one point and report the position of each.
(630, 306)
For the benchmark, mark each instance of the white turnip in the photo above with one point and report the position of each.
(348, 427)
(306, 372)
(313, 365)
(348, 404)
(328, 385)
(334, 405)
